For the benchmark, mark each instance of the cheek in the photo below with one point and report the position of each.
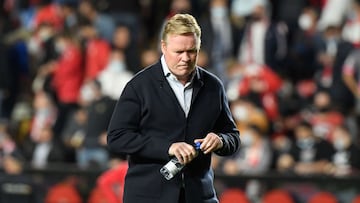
(194, 57)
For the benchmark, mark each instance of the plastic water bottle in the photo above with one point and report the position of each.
(173, 167)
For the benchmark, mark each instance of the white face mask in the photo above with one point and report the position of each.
(305, 143)
(240, 113)
(246, 139)
(87, 93)
(60, 47)
(116, 66)
(45, 34)
(339, 144)
(218, 12)
(305, 21)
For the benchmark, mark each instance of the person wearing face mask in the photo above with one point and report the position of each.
(117, 72)
(345, 161)
(323, 116)
(246, 113)
(97, 50)
(304, 46)
(115, 76)
(66, 77)
(99, 107)
(253, 158)
(327, 54)
(262, 42)
(309, 155)
(218, 43)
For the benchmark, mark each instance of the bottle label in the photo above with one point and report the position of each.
(171, 169)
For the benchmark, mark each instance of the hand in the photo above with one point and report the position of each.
(184, 152)
(210, 143)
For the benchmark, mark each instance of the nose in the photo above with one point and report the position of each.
(185, 57)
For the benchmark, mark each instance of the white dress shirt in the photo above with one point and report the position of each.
(183, 92)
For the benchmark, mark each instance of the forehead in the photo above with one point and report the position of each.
(186, 41)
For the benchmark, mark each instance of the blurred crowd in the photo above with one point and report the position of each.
(291, 70)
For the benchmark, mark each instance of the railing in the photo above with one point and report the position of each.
(87, 178)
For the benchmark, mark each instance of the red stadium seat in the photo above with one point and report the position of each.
(276, 196)
(233, 195)
(97, 196)
(61, 193)
(356, 199)
(323, 197)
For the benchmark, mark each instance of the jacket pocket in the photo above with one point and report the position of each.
(144, 180)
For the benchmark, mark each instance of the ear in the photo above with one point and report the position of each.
(163, 46)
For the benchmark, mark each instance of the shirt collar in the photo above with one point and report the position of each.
(167, 72)
(165, 68)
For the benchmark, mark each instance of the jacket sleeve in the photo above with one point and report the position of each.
(124, 131)
(226, 128)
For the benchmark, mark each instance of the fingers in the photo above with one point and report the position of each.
(210, 143)
(184, 152)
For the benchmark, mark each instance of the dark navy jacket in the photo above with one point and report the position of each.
(148, 119)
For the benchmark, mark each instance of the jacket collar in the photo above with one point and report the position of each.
(198, 83)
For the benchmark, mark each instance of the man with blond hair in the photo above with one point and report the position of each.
(162, 112)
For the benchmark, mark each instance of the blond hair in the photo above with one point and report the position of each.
(181, 24)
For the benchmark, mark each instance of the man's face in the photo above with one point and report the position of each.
(180, 52)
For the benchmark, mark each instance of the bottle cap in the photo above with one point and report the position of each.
(197, 145)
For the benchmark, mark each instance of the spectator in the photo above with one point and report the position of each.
(123, 42)
(67, 77)
(48, 12)
(305, 47)
(341, 95)
(260, 84)
(16, 69)
(241, 9)
(351, 28)
(41, 45)
(262, 41)
(99, 108)
(97, 51)
(45, 114)
(288, 12)
(68, 9)
(327, 56)
(7, 144)
(218, 41)
(115, 76)
(334, 12)
(322, 116)
(45, 150)
(112, 181)
(103, 23)
(350, 71)
(281, 145)
(128, 13)
(253, 158)
(247, 113)
(74, 133)
(345, 160)
(309, 155)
